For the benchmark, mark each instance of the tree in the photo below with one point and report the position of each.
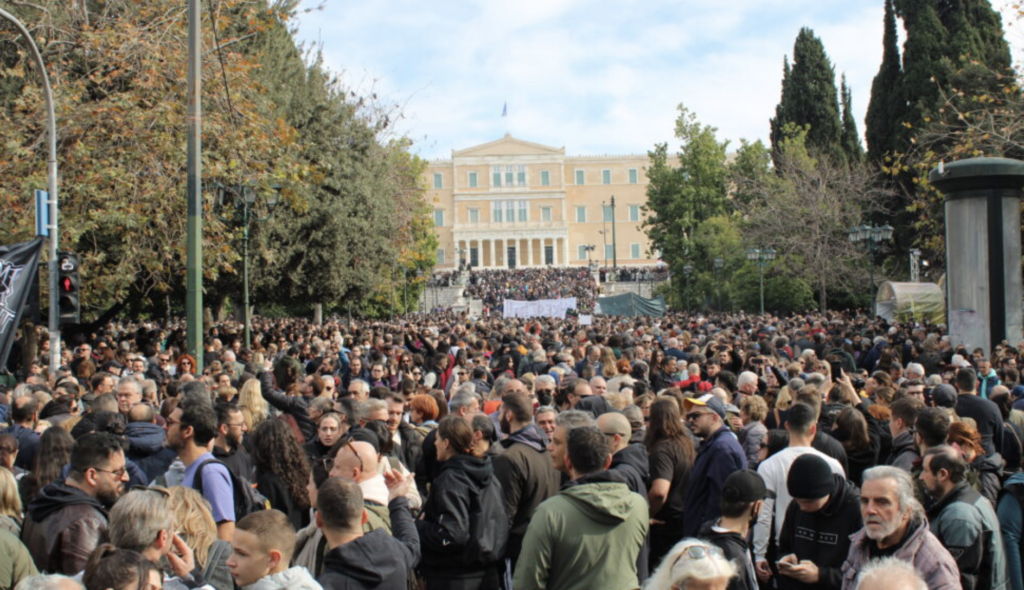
(809, 99)
(681, 197)
(804, 210)
(849, 138)
(886, 107)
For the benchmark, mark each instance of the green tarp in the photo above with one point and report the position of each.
(630, 304)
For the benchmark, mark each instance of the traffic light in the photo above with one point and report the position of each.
(69, 302)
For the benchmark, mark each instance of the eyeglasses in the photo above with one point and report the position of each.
(172, 422)
(118, 473)
(696, 415)
(548, 391)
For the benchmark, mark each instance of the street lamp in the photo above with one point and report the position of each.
(869, 238)
(237, 204)
(719, 265)
(615, 249)
(588, 248)
(761, 257)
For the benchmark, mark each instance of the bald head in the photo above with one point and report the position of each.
(358, 466)
(616, 429)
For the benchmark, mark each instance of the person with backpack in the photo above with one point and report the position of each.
(463, 528)
(190, 428)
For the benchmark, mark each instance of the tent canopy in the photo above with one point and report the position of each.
(911, 302)
(630, 304)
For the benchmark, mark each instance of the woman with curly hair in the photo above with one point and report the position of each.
(186, 365)
(196, 527)
(282, 470)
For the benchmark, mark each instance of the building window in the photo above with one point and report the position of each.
(581, 214)
(439, 217)
(510, 211)
(524, 212)
(579, 177)
(606, 213)
(545, 178)
(496, 177)
(632, 176)
(521, 176)
(545, 213)
(440, 256)
(497, 214)
(609, 251)
(474, 216)
(634, 251)
(606, 177)
(472, 180)
(437, 180)
(509, 176)
(581, 252)
(634, 212)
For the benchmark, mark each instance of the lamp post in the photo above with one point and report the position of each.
(237, 204)
(761, 256)
(588, 249)
(615, 249)
(719, 265)
(870, 237)
(604, 240)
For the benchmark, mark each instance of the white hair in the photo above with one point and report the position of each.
(48, 582)
(745, 378)
(678, 567)
(915, 368)
(890, 572)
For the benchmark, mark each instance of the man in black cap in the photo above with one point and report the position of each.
(815, 536)
(742, 498)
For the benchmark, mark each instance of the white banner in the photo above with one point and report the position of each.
(544, 308)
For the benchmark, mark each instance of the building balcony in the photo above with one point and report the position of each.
(511, 226)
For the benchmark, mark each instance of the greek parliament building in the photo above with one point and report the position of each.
(512, 203)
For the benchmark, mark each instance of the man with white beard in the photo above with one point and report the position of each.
(895, 526)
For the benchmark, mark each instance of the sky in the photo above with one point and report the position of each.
(594, 77)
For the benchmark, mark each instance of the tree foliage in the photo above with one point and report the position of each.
(810, 100)
(804, 210)
(682, 195)
(272, 116)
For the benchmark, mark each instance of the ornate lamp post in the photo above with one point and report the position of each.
(761, 257)
(870, 238)
(687, 272)
(236, 204)
(719, 265)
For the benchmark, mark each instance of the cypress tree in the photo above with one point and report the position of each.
(886, 107)
(809, 98)
(850, 139)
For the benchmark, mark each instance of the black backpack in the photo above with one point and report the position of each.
(488, 526)
(247, 499)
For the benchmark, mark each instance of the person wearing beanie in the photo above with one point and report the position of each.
(742, 498)
(815, 537)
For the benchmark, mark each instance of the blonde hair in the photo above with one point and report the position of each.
(194, 521)
(250, 401)
(784, 399)
(608, 369)
(10, 501)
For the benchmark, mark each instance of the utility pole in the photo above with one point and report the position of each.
(194, 190)
(615, 244)
(51, 187)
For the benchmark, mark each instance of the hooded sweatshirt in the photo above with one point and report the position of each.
(377, 560)
(588, 536)
(293, 578)
(526, 475)
(146, 449)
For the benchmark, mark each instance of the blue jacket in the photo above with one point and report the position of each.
(719, 456)
(987, 383)
(146, 449)
(1011, 519)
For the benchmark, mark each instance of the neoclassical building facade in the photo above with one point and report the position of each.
(512, 203)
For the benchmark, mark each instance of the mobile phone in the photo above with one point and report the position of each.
(837, 369)
(784, 565)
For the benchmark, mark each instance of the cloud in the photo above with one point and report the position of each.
(592, 76)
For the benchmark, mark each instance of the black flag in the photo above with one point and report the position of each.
(18, 265)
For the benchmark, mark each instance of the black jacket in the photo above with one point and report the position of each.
(736, 550)
(412, 445)
(146, 449)
(377, 560)
(823, 537)
(238, 461)
(631, 463)
(445, 525)
(294, 405)
(526, 475)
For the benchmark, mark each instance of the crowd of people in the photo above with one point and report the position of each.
(685, 452)
(635, 274)
(493, 287)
